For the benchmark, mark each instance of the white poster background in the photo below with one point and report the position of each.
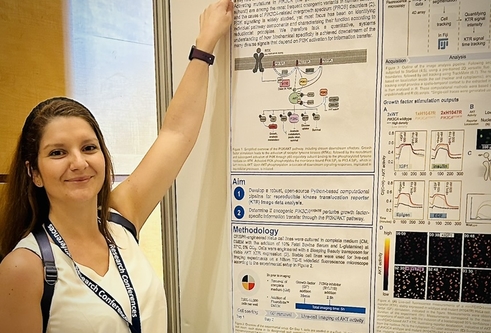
(334, 95)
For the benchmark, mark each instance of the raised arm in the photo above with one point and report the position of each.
(136, 197)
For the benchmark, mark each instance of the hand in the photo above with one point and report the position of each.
(215, 21)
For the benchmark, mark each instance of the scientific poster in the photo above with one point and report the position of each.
(360, 166)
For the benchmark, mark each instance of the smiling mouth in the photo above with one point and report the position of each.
(78, 180)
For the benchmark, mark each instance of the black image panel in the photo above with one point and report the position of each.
(483, 141)
(443, 284)
(445, 249)
(476, 286)
(409, 282)
(477, 250)
(411, 248)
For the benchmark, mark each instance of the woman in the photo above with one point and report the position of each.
(61, 176)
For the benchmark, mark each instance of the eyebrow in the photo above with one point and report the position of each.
(60, 145)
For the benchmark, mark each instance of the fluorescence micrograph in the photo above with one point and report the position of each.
(445, 249)
(409, 282)
(437, 266)
(411, 248)
(476, 286)
(443, 284)
(477, 250)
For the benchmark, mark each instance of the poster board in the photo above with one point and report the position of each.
(358, 167)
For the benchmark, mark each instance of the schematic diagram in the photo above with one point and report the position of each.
(297, 96)
(483, 142)
(301, 80)
(487, 166)
(447, 26)
(306, 102)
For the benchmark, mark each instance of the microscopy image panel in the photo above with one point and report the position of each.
(443, 284)
(477, 250)
(445, 249)
(409, 282)
(476, 286)
(411, 248)
(483, 141)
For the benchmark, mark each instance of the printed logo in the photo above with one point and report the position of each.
(442, 43)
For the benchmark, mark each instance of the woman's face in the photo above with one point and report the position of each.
(71, 164)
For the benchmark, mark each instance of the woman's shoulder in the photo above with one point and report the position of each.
(23, 264)
(21, 268)
(21, 290)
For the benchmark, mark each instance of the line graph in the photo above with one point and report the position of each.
(478, 208)
(408, 200)
(446, 150)
(409, 150)
(444, 200)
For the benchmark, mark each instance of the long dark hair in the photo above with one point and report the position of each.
(25, 205)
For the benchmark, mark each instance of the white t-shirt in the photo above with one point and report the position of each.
(75, 308)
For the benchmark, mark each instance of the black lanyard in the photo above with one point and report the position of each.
(135, 324)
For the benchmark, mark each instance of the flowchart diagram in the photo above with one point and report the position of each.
(301, 78)
(449, 26)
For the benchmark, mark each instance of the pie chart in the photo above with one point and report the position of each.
(248, 282)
